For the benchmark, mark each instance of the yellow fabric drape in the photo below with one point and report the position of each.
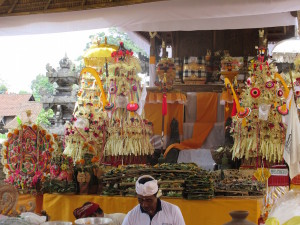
(24, 200)
(195, 212)
(295, 187)
(153, 112)
(207, 106)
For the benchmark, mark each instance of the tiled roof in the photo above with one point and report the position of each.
(17, 105)
(10, 103)
(35, 108)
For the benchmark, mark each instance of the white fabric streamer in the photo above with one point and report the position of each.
(263, 111)
(142, 101)
(291, 152)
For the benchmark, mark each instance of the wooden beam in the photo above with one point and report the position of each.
(83, 3)
(47, 5)
(69, 7)
(13, 6)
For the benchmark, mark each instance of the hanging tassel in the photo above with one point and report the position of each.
(234, 110)
(164, 104)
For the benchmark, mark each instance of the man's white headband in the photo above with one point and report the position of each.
(147, 189)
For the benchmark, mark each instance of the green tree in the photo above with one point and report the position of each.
(44, 116)
(41, 86)
(22, 92)
(114, 36)
(3, 89)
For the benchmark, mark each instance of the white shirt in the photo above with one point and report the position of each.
(168, 215)
(117, 218)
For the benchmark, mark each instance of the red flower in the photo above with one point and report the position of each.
(269, 84)
(279, 92)
(255, 92)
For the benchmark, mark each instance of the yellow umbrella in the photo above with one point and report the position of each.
(99, 54)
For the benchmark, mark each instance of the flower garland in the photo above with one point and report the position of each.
(26, 155)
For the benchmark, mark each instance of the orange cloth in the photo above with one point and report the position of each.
(172, 97)
(175, 108)
(227, 113)
(207, 107)
(153, 113)
(215, 211)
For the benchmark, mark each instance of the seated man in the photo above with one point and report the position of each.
(90, 209)
(151, 209)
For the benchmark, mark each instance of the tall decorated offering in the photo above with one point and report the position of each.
(259, 125)
(86, 132)
(26, 155)
(109, 124)
(128, 131)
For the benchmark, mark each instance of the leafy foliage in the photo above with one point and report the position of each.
(41, 86)
(43, 117)
(114, 36)
(22, 92)
(3, 89)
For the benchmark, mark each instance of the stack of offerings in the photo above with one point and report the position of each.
(237, 183)
(179, 70)
(111, 180)
(198, 185)
(174, 180)
(194, 70)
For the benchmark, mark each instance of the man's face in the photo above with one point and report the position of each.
(148, 203)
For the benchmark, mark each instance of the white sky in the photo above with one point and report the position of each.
(23, 57)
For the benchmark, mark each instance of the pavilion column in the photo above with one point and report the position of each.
(298, 18)
(152, 60)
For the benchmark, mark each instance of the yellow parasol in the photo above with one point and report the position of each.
(99, 54)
